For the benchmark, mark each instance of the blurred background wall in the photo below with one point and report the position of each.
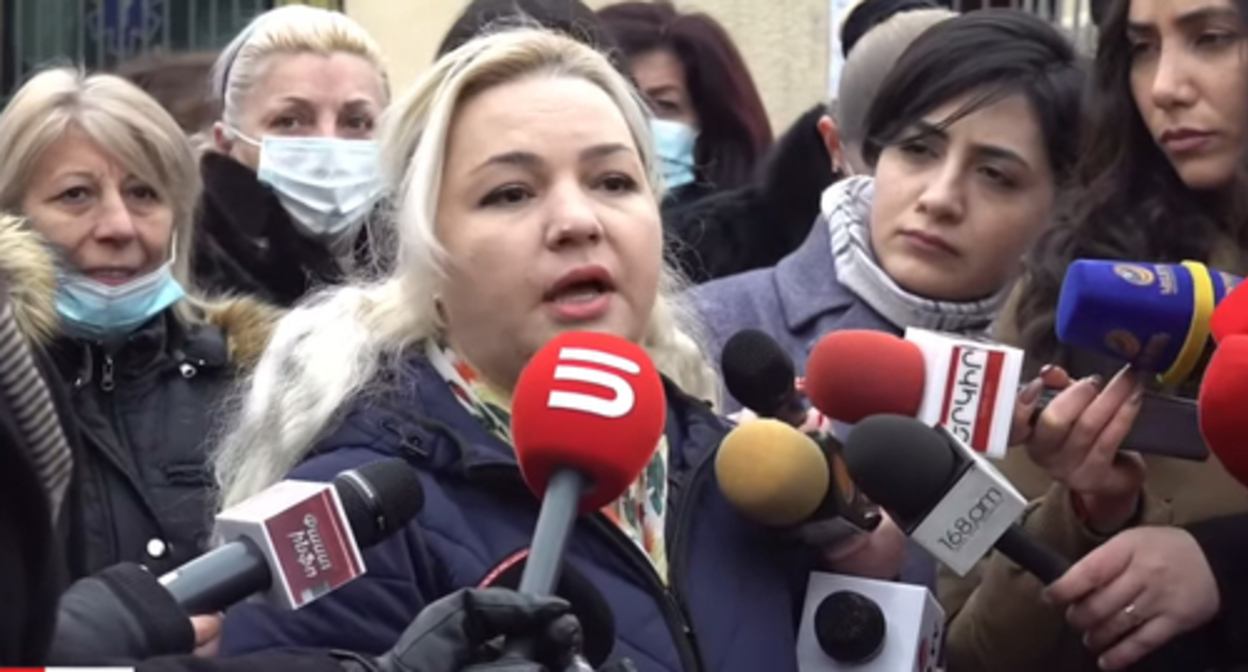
(785, 42)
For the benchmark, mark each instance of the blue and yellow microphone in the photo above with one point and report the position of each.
(1155, 315)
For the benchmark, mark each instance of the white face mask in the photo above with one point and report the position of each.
(327, 185)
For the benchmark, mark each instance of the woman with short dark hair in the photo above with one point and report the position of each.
(970, 155)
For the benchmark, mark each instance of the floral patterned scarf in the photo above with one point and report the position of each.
(640, 512)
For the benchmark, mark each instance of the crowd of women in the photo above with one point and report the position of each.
(340, 268)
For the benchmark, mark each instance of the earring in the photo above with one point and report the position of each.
(439, 310)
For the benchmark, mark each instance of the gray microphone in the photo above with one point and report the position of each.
(300, 537)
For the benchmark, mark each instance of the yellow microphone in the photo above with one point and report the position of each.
(771, 472)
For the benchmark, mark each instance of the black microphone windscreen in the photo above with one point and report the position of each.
(850, 627)
(588, 605)
(379, 498)
(900, 463)
(757, 371)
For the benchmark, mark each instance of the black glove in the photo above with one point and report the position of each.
(466, 631)
(117, 616)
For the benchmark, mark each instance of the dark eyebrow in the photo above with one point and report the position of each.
(1000, 153)
(661, 89)
(1207, 14)
(531, 161)
(925, 129)
(1198, 16)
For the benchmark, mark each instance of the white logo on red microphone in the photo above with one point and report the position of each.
(622, 396)
(971, 394)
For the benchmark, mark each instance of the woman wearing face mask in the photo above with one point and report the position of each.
(1160, 180)
(710, 127)
(107, 179)
(529, 207)
(969, 156)
(292, 178)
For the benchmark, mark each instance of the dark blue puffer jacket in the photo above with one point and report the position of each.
(735, 594)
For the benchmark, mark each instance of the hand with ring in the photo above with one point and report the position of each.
(1136, 592)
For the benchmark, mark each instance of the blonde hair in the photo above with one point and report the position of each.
(326, 351)
(124, 121)
(291, 29)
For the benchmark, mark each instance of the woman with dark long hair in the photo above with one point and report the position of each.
(1159, 178)
(710, 124)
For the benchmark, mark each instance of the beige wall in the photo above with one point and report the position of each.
(785, 42)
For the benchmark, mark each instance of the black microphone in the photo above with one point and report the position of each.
(295, 529)
(850, 627)
(951, 501)
(919, 474)
(761, 375)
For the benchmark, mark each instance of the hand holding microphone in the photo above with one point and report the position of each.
(463, 632)
(588, 414)
(878, 554)
(124, 613)
(1137, 592)
(1157, 315)
(1076, 440)
(782, 478)
(970, 387)
(207, 635)
(1147, 586)
(761, 375)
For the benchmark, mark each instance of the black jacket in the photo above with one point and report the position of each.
(142, 491)
(246, 244)
(29, 577)
(757, 225)
(1224, 542)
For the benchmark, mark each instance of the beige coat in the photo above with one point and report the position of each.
(997, 621)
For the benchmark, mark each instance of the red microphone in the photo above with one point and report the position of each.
(1222, 393)
(854, 374)
(968, 387)
(588, 412)
(1231, 316)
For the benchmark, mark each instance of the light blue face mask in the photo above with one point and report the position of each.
(327, 185)
(91, 309)
(674, 143)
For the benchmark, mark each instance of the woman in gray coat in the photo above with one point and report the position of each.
(969, 154)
